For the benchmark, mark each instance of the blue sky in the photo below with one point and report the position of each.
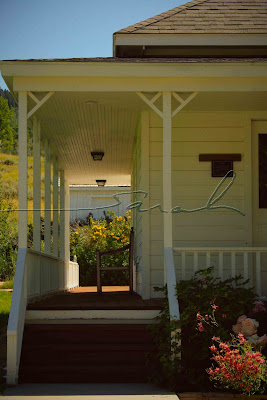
(69, 28)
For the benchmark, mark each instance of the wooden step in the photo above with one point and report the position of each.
(85, 353)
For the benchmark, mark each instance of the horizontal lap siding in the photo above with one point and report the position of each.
(192, 184)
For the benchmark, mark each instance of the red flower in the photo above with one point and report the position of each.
(213, 348)
(200, 327)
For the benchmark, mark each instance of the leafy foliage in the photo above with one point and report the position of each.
(8, 245)
(6, 129)
(104, 235)
(196, 294)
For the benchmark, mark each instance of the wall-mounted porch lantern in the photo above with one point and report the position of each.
(97, 155)
(101, 182)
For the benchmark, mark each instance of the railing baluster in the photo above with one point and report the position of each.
(195, 261)
(221, 265)
(233, 264)
(183, 265)
(245, 266)
(258, 273)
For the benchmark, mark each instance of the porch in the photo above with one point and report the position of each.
(151, 120)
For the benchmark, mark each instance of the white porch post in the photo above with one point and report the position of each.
(62, 214)
(47, 214)
(23, 163)
(55, 208)
(167, 172)
(64, 218)
(145, 185)
(36, 185)
(67, 221)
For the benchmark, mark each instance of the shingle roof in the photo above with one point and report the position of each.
(207, 16)
(177, 60)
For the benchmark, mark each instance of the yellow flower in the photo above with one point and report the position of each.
(76, 233)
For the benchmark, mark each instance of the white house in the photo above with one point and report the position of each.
(85, 199)
(182, 101)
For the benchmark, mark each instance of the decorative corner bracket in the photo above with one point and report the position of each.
(151, 102)
(39, 103)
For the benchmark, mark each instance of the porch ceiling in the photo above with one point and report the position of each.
(76, 123)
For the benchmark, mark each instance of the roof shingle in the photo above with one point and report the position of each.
(207, 16)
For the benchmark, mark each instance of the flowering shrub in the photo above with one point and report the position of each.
(237, 367)
(103, 235)
(188, 371)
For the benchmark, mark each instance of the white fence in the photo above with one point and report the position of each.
(227, 261)
(36, 274)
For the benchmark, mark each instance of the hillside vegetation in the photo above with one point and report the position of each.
(9, 184)
(9, 201)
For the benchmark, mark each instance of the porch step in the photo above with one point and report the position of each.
(91, 316)
(85, 353)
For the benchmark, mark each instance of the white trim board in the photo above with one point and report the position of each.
(134, 39)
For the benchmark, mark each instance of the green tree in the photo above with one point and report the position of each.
(7, 130)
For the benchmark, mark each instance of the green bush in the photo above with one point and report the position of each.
(196, 295)
(8, 243)
(104, 235)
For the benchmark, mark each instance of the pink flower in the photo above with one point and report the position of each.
(236, 328)
(241, 319)
(215, 338)
(224, 315)
(262, 340)
(214, 307)
(249, 326)
(258, 307)
(199, 316)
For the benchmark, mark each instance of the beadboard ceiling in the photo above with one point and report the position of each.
(76, 124)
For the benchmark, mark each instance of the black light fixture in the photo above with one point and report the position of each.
(101, 182)
(97, 155)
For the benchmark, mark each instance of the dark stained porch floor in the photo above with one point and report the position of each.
(87, 298)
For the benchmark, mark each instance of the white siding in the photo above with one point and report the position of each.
(85, 197)
(193, 134)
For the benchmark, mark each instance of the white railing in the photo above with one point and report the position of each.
(17, 317)
(171, 284)
(48, 274)
(36, 274)
(246, 261)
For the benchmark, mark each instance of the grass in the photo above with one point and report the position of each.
(5, 303)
